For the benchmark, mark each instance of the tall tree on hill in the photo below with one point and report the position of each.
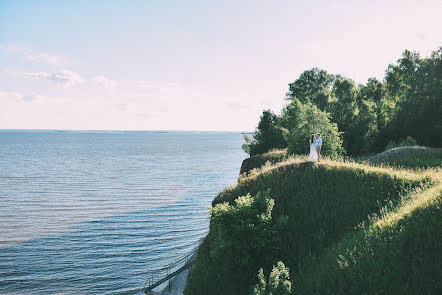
(364, 127)
(414, 84)
(372, 91)
(268, 134)
(432, 106)
(368, 101)
(343, 110)
(313, 86)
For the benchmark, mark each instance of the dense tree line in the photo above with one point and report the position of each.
(358, 119)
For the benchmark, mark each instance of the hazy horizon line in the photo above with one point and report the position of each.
(125, 130)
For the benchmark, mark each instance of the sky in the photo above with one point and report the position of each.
(189, 65)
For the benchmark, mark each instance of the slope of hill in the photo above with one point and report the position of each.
(409, 157)
(257, 161)
(351, 228)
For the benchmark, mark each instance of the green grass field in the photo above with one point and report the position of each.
(352, 229)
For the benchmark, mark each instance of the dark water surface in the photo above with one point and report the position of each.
(95, 212)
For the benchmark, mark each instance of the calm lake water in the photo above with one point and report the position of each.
(95, 212)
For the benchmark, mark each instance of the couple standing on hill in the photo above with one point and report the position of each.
(315, 147)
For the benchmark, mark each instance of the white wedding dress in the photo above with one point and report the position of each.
(313, 157)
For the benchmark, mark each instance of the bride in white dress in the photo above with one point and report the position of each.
(313, 157)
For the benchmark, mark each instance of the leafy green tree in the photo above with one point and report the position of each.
(343, 109)
(409, 141)
(278, 282)
(373, 91)
(416, 84)
(400, 82)
(365, 128)
(268, 135)
(301, 120)
(313, 86)
(247, 146)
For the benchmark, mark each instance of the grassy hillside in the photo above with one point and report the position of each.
(398, 253)
(409, 157)
(351, 228)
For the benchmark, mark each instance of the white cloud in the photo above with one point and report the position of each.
(17, 96)
(10, 95)
(31, 97)
(65, 78)
(104, 82)
(47, 58)
(12, 49)
(36, 75)
(35, 56)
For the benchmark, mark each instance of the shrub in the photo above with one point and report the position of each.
(278, 283)
(243, 237)
(391, 145)
(249, 142)
(409, 141)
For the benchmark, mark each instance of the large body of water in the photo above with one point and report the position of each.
(95, 212)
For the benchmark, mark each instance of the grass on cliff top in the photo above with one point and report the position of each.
(299, 161)
(329, 207)
(407, 157)
(272, 157)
